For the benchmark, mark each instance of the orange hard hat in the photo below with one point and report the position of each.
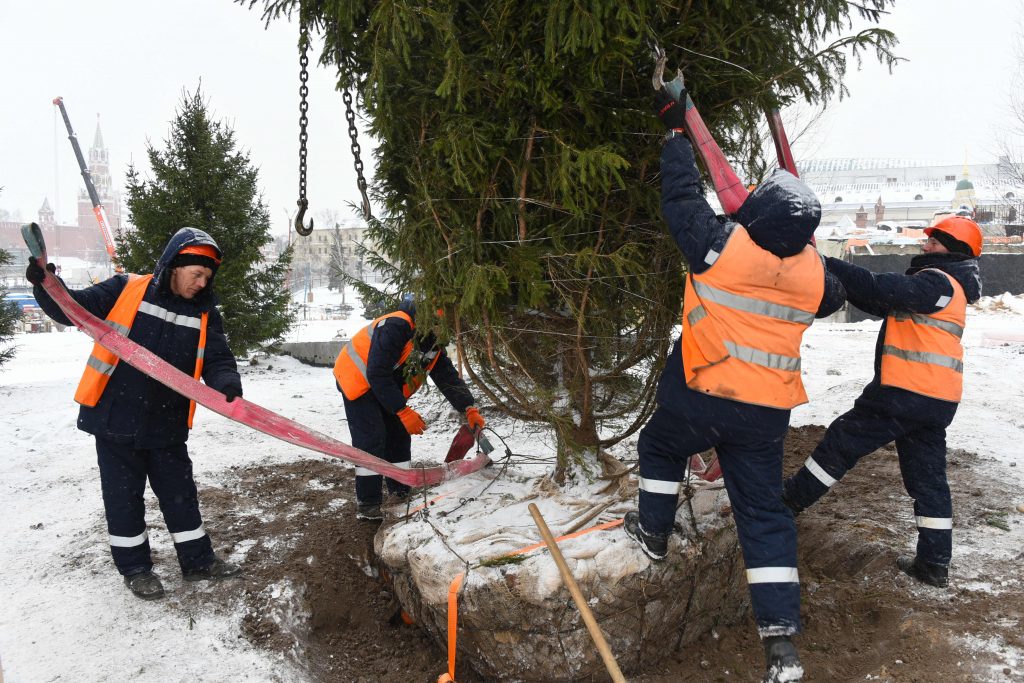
(960, 228)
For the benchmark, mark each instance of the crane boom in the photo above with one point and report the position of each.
(97, 207)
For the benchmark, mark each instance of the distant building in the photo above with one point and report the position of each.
(902, 191)
(876, 205)
(99, 170)
(312, 255)
(82, 242)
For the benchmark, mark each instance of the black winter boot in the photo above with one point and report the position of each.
(655, 546)
(145, 585)
(369, 512)
(791, 504)
(783, 664)
(218, 569)
(933, 574)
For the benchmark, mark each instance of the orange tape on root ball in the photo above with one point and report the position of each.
(575, 534)
(453, 627)
(456, 584)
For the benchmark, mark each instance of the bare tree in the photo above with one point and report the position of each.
(338, 264)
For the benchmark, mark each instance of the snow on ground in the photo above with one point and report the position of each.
(67, 615)
(317, 320)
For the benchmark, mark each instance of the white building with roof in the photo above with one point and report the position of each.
(908, 193)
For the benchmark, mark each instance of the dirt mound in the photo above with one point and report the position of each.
(313, 593)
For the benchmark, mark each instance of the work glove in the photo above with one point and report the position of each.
(232, 391)
(475, 419)
(672, 112)
(412, 421)
(34, 273)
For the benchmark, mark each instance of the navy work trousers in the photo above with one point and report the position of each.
(382, 434)
(749, 443)
(921, 447)
(123, 473)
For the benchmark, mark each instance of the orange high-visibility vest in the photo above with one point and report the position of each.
(101, 363)
(744, 318)
(350, 366)
(922, 353)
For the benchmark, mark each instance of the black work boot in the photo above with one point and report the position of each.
(783, 664)
(145, 585)
(795, 507)
(655, 546)
(933, 574)
(218, 569)
(369, 511)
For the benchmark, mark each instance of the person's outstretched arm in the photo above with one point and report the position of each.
(454, 388)
(693, 223)
(878, 293)
(97, 299)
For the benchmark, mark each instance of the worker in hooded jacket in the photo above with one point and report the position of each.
(754, 285)
(377, 372)
(916, 387)
(140, 425)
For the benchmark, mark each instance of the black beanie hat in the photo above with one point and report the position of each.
(193, 260)
(952, 244)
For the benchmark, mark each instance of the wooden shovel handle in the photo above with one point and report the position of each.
(577, 596)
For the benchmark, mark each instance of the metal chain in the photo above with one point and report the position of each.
(350, 116)
(303, 203)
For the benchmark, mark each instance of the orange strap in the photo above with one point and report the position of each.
(456, 584)
(432, 501)
(599, 527)
(453, 626)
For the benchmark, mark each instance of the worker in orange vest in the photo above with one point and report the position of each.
(916, 388)
(377, 372)
(754, 285)
(140, 425)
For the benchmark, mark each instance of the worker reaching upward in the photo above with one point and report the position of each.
(755, 284)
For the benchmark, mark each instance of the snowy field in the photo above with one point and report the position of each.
(66, 615)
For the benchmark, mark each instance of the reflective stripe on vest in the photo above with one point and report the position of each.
(101, 362)
(350, 366)
(743, 321)
(923, 353)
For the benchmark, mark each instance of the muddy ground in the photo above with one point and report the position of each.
(313, 594)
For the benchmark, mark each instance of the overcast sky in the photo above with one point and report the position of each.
(129, 60)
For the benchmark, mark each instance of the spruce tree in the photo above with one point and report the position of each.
(517, 164)
(201, 180)
(10, 315)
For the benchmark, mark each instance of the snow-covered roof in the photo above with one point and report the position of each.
(866, 194)
(827, 165)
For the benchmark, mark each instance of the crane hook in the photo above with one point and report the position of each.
(301, 228)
